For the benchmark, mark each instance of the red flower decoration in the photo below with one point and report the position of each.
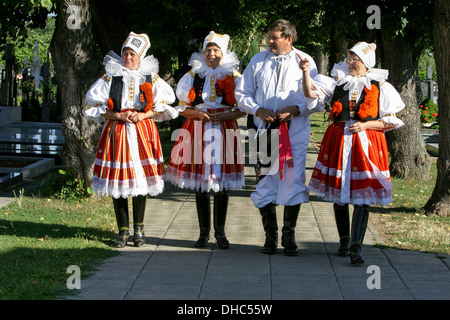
(336, 109)
(146, 87)
(226, 87)
(110, 104)
(369, 108)
(191, 95)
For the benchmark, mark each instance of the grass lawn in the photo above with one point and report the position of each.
(403, 224)
(41, 237)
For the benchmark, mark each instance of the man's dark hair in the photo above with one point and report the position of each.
(287, 29)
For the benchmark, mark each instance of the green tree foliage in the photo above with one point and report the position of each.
(18, 16)
(177, 28)
(24, 46)
(23, 23)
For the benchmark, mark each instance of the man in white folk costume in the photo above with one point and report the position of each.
(352, 166)
(129, 160)
(270, 91)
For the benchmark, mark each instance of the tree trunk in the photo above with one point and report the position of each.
(77, 65)
(109, 24)
(409, 158)
(321, 60)
(439, 203)
(338, 47)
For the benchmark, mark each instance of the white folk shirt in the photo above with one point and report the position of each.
(260, 87)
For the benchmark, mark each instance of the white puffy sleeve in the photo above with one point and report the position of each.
(390, 104)
(163, 97)
(324, 87)
(184, 86)
(324, 90)
(245, 90)
(97, 97)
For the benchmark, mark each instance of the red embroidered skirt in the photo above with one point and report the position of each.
(207, 156)
(129, 160)
(352, 168)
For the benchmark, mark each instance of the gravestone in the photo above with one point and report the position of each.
(7, 96)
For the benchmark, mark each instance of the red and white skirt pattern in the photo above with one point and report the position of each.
(352, 167)
(129, 160)
(207, 156)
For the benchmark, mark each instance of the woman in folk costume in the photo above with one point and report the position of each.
(205, 156)
(129, 160)
(352, 165)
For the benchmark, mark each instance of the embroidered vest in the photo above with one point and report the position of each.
(357, 110)
(115, 94)
(198, 90)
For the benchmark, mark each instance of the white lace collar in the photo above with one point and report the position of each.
(113, 65)
(228, 65)
(340, 71)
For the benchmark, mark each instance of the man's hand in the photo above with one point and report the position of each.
(303, 64)
(287, 113)
(266, 115)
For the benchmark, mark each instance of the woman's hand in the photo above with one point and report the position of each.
(357, 127)
(223, 116)
(191, 113)
(370, 125)
(137, 117)
(203, 116)
(219, 117)
(119, 116)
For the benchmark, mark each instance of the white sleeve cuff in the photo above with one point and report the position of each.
(392, 119)
(168, 112)
(95, 113)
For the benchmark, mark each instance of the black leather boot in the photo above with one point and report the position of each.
(288, 231)
(341, 215)
(138, 220)
(121, 211)
(202, 200)
(359, 225)
(269, 220)
(220, 216)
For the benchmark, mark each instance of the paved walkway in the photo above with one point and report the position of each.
(168, 267)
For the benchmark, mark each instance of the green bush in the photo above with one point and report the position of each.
(428, 111)
(62, 185)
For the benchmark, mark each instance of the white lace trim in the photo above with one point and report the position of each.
(199, 182)
(113, 65)
(228, 65)
(359, 197)
(134, 154)
(333, 172)
(357, 83)
(346, 164)
(125, 188)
